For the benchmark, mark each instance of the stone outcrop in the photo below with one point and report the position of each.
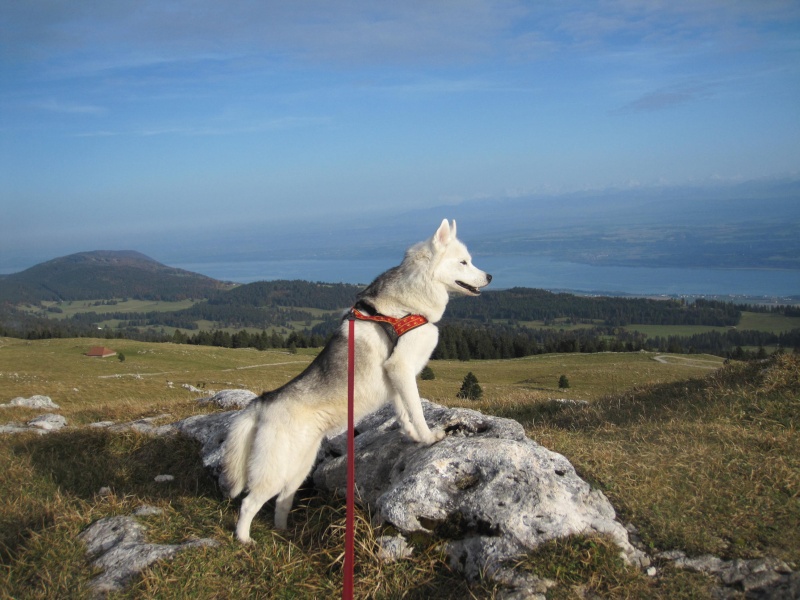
(230, 398)
(48, 422)
(42, 424)
(117, 546)
(489, 491)
(759, 578)
(41, 402)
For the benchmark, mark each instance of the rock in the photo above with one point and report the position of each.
(711, 565)
(33, 402)
(192, 389)
(48, 422)
(210, 431)
(230, 398)
(117, 545)
(164, 478)
(146, 426)
(392, 548)
(767, 578)
(145, 510)
(41, 425)
(487, 488)
(18, 428)
(671, 555)
(106, 533)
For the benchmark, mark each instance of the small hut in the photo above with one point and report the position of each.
(100, 352)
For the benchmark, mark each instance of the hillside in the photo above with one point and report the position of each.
(102, 275)
(699, 457)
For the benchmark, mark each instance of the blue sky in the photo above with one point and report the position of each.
(119, 119)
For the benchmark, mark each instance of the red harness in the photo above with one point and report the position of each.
(393, 327)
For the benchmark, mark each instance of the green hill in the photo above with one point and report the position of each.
(105, 274)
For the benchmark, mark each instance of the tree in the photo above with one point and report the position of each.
(470, 389)
(427, 374)
(563, 382)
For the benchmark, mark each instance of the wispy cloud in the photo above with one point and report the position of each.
(57, 106)
(666, 98)
(277, 124)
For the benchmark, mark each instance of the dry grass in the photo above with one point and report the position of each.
(705, 465)
(708, 465)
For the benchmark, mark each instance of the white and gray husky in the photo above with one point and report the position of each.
(272, 444)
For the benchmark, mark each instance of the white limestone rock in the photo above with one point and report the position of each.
(41, 402)
(48, 422)
(230, 398)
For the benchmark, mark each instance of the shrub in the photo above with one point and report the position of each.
(427, 374)
(563, 382)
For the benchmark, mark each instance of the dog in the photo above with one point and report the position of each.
(272, 444)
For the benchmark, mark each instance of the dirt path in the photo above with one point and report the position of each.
(699, 363)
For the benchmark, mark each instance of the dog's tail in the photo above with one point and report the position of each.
(236, 451)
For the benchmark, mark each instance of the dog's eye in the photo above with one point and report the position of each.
(463, 262)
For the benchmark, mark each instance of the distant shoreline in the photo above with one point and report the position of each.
(741, 285)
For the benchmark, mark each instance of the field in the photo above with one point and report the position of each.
(700, 458)
(71, 308)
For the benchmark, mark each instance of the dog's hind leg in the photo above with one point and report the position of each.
(251, 504)
(283, 503)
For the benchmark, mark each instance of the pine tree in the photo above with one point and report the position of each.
(470, 388)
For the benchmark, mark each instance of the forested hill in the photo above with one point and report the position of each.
(326, 296)
(515, 304)
(105, 275)
(526, 304)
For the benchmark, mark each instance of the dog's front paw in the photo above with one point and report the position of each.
(433, 436)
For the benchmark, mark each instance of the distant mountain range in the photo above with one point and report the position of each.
(105, 274)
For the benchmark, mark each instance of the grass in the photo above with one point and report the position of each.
(708, 465)
(72, 308)
(770, 322)
(699, 457)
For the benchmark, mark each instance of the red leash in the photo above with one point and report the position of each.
(350, 522)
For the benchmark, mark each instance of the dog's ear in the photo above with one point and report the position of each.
(453, 229)
(443, 234)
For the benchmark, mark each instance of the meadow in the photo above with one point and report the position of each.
(700, 456)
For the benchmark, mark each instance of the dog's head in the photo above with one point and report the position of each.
(453, 263)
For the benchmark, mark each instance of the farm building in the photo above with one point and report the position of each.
(100, 352)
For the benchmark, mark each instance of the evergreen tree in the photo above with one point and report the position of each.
(563, 382)
(470, 389)
(427, 374)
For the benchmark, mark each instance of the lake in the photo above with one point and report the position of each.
(534, 272)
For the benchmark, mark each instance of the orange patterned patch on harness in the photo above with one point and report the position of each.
(400, 326)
